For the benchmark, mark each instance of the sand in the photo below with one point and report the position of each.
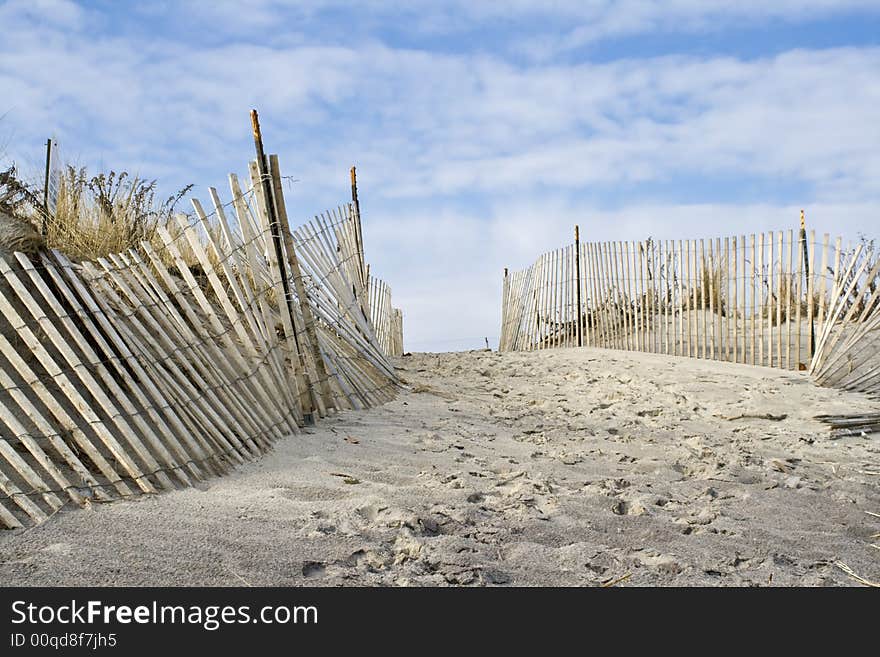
(565, 467)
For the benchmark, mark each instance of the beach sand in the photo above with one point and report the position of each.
(563, 467)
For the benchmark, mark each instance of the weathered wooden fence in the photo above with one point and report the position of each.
(778, 299)
(175, 361)
(387, 319)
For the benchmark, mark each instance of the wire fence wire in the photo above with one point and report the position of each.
(781, 299)
(174, 361)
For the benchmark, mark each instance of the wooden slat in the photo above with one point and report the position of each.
(753, 281)
(582, 276)
(789, 300)
(38, 486)
(554, 300)
(679, 343)
(823, 275)
(667, 293)
(691, 285)
(735, 301)
(730, 302)
(759, 304)
(16, 495)
(602, 281)
(570, 317)
(717, 317)
(603, 309)
(711, 270)
(695, 285)
(637, 316)
(8, 518)
(540, 302)
(614, 297)
(620, 313)
(655, 297)
(799, 296)
(780, 282)
(811, 265)
(631, 301)
(768, 308)
(626, 295)
(645, 294)
(598, 327)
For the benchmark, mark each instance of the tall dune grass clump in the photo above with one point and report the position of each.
(107, 213)
(94, 216)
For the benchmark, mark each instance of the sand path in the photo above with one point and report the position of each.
(568, 467)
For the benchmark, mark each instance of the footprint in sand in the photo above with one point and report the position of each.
(313, 569)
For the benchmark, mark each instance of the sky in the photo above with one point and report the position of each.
(482, 131)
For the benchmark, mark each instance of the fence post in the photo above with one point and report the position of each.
(275, 232)
(808, 287)
(45, 226)
(505, 302)
(357, 213)
(577, 275)
(320, 370)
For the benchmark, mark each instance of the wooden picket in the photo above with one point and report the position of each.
(387, 320)
(759, 299)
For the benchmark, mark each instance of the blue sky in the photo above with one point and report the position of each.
(482, 131)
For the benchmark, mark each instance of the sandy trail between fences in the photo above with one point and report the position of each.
(566, 467)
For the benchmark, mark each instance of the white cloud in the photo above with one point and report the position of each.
(606, 19)
(457, 123)
(538, 145)
(551, 27)
(55, 13)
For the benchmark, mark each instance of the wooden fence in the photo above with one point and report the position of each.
(152, 369)
(778, 299)
(387, 319)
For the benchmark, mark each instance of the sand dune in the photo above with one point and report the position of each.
(566, 467)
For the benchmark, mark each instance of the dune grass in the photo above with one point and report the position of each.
(107, 213)
(94, 216)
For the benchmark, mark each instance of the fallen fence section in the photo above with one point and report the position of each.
(768, 299)
(152, 369)
(851, 425)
